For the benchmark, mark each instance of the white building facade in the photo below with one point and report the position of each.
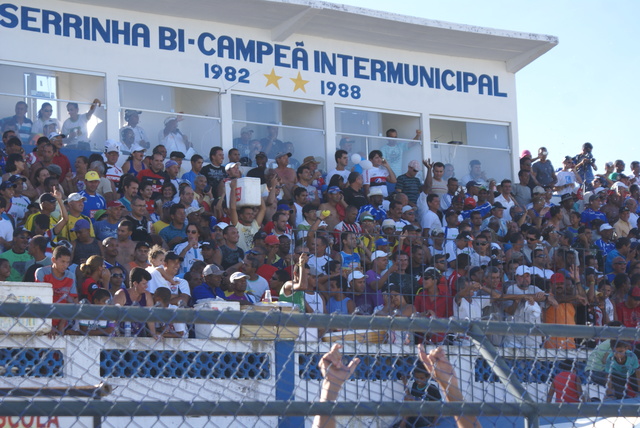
(323, 76)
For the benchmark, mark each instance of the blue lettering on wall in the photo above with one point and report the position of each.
(294, 56)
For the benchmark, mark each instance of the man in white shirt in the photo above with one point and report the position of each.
(342, 160)
(506, 199)
(428, 217)
(167, 277)
(525, 307)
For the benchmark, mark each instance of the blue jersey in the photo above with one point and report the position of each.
(93, 204)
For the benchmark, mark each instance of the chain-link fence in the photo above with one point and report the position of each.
(260, 368)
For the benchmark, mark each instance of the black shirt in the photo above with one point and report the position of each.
(214, 174)
(356, 199)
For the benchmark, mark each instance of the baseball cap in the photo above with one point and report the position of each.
(437, 231)
(222, 225)
(472, 183)
(497, 205)
(624, 209)
(356, 274)
(81, 224)
(212, 270)
(261, 155)
(333, 190)
(284, 207)
(55, 135)
(92, 176)
(366, 217)
(99, 214)
(16, 178)
(142, 244)
(75, 197)
(388, 223)
(172, 256)
(207, 244)
(414, 165)
(407, 208)
(246, 129)
(112, 204)
(279, 155)
(6, 185)
(111, 146)
(605, 226)
(470, 202)
(191, 210)
(176, 154)
(377, 254)
(410, 228)
(170, 163)
(381, 241)
(538, 189)
(230, 165)
(54, 170)
(525, 153)
(557, 278)
(237, 276)
(375, 191)
(272, 240)
(137, 148)
(522, 270)
(46, 197)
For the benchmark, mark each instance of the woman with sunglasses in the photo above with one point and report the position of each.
(190, 250)
(44, 118)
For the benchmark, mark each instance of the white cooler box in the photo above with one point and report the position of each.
(217, 331)
(25, 292)
(247, 192)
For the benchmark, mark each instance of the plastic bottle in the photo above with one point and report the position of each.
(267, 297)
(127, 329)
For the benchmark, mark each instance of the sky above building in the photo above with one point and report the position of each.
(584, 89)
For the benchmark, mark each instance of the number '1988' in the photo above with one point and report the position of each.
(342, 89)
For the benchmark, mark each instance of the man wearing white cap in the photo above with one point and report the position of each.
(525, 300)
(112, 153)
(238, 288)
(365, 298)
(174, 140)
(378, 275)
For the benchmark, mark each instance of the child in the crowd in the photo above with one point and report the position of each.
(566, 384)
(5, 269)
(623, 370)
(339, 303)
(422, 389)
(98, 327)
(162, 297)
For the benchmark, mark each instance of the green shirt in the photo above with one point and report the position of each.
(297, 298)
(18, 264)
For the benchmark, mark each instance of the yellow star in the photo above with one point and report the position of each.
(299, 83)
(272, 78)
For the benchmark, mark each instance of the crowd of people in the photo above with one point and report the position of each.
(557, 245)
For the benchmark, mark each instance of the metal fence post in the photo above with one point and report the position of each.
(286, 380)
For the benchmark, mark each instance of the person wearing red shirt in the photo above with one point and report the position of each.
(629, 310)
(63, 282)
(430, 301)
(449, 288)
(153, 175)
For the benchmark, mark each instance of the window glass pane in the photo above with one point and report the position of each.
(274, 126)
(46, 94)
(150, 111)
(470, 133)
(366, 131)
(494, 164)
